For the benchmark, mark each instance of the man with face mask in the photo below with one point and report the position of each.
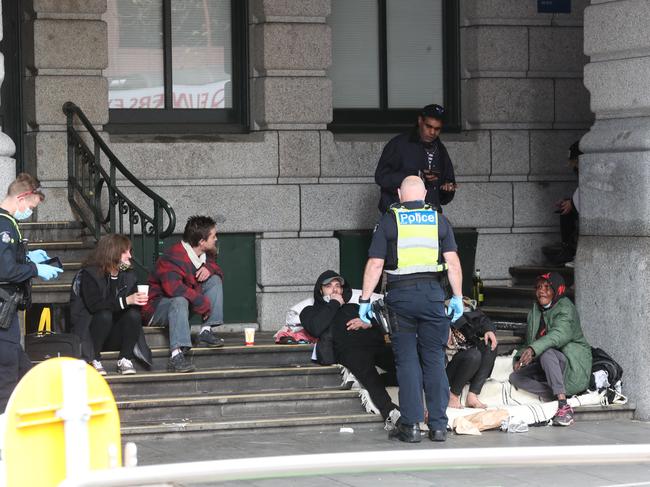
(17, 268)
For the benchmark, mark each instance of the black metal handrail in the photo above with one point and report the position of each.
(87, 179)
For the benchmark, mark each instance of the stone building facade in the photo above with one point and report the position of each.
(523, 104)
(294, 183)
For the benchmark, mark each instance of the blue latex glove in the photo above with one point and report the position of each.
(37, 256)
(47, 272)
(455, 307)
(365, 312)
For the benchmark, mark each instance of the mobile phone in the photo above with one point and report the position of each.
(54, 261)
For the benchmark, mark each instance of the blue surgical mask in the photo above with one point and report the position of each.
(23, 215)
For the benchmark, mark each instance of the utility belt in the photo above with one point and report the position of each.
(415, 279)
(9, 304)
(21, 292)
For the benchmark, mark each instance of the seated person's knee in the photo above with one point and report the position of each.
(134, 315)
(103, 315)
(179, 302)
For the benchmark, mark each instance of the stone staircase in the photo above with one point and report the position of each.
(239, 388)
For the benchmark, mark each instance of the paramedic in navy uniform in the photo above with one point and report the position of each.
(415, 245)
(17, 267)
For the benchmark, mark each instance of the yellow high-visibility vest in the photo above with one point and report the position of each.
(417, 241)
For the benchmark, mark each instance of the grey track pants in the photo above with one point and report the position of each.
(544, 376)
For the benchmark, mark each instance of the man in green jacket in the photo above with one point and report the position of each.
(556, 358)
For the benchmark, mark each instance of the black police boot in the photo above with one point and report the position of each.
(437, 435)
(408, 433)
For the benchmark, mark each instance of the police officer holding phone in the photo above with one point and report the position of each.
(415, 245)
(17, 267)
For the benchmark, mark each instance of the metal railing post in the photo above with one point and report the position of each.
(88, 190)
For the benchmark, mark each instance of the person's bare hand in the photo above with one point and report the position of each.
(450, 340)
(337, 297)
(429, 175)
(202, 274)
(357, 324)
(492, 338)
(526, 357)
(449, 187)
(565, 207)
(138, 299)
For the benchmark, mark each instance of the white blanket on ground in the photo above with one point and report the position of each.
(497, 393)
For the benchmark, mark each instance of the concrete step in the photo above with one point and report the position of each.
(134, 432)
(525, 275)
(138, 431)
(506, 314)
(66, 250)
(254, 406)
(236, 356)
(612, 412)
(227, 381)
(513, 296)
(56, 291)
(53, 231)
(263, 353)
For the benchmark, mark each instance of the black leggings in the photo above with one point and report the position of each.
(473, 365)
(118, 330)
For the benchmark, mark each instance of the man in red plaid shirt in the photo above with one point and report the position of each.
(187, 279)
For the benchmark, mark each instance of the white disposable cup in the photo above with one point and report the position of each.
(249, 336)
(143, 288)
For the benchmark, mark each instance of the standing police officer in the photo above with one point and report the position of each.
(415, 245)
(17, 267)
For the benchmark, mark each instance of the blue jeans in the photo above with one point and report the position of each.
(175, 313)
(419, 346)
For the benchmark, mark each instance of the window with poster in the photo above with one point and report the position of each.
(176, 67)
(389, 59)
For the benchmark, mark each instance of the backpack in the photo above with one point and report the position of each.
(602, 361)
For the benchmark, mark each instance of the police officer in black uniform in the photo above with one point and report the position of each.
(17, 267)
(415, 245)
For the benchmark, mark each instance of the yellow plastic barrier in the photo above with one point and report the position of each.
(35, 449)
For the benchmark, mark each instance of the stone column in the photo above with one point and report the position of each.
(7, 146)
(65, 47)
(291, 96)
(612, 279)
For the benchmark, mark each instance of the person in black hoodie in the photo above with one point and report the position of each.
(345, 339)
(105, 306)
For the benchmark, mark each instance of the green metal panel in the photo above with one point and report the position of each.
(353, 251)
(353, 247)
(466, 240)
(237, 259)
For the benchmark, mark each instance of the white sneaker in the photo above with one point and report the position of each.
(98, 367)
(125, 366)
(391, 420)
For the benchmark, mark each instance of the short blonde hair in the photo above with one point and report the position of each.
(25, 183)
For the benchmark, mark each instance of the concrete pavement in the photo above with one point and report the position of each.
(290, 443)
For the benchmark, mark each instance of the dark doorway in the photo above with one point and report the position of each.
(11, 94)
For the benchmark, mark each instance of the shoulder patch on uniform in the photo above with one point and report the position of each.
(5, 237)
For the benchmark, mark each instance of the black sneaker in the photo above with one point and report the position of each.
(178, 363)
(208, 339)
